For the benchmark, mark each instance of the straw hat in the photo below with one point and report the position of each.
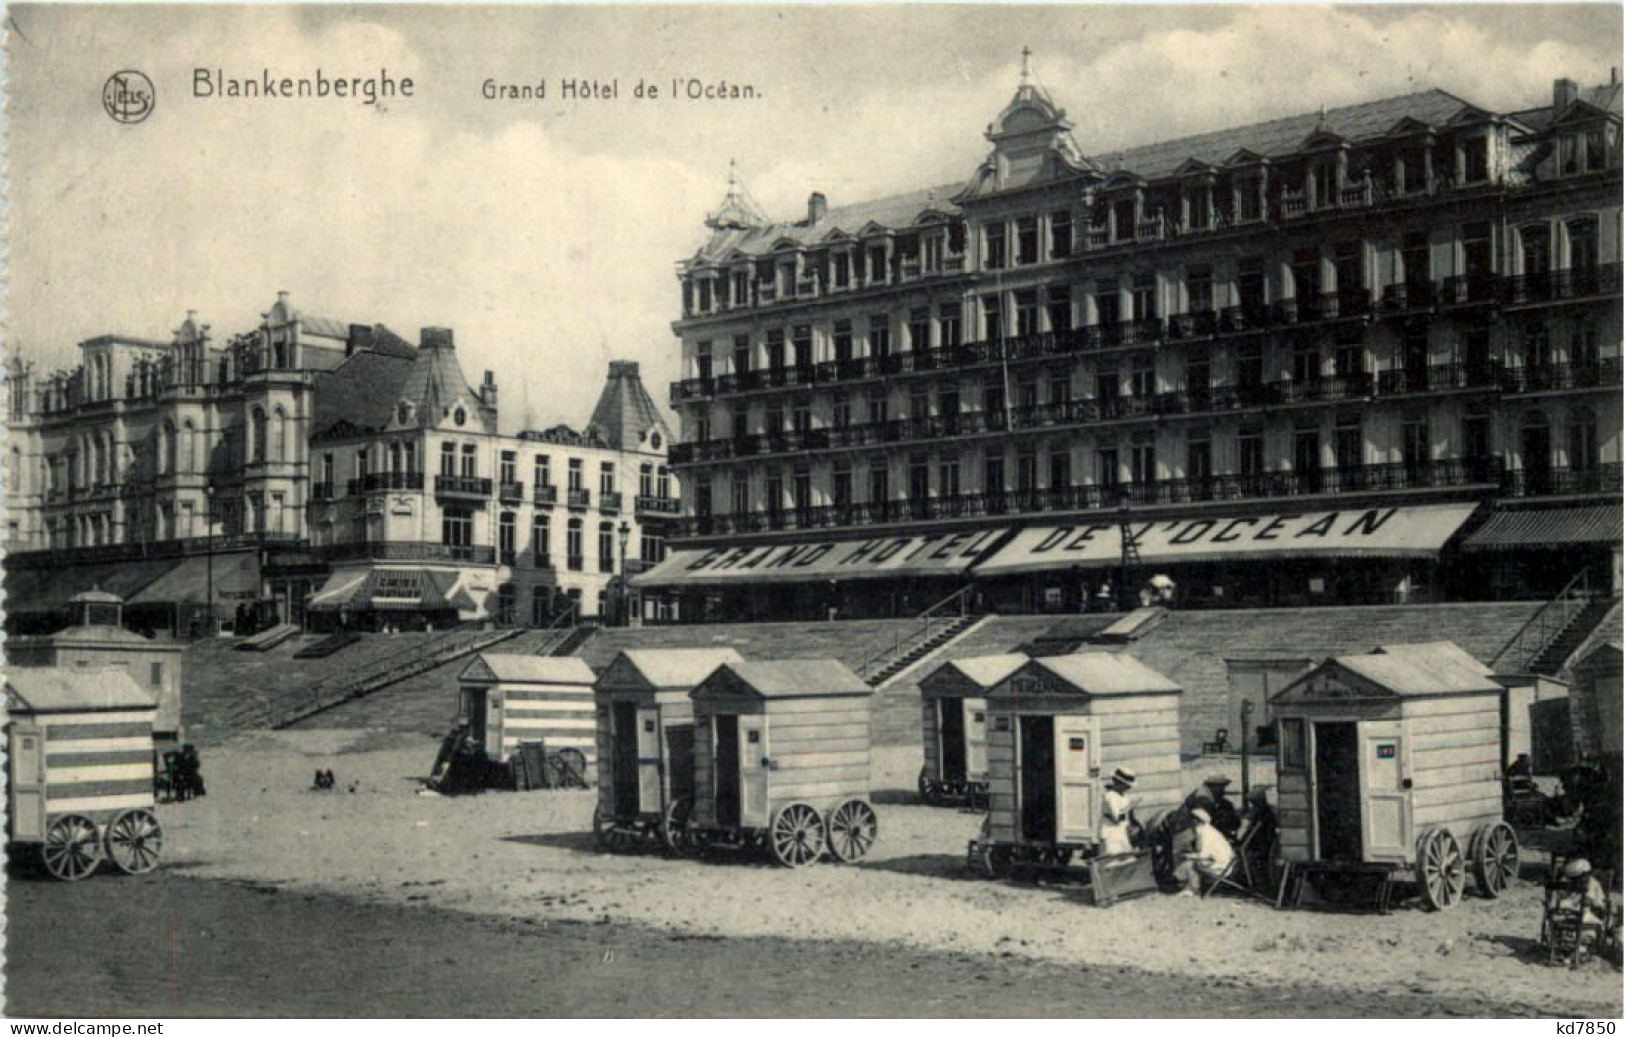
(1577, 867)
(1124, 777)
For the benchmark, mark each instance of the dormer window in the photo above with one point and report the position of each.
(1027, 240)
(1475, 155)
(843, 269)
(460, 416)
(705, 295)
(403, 414)
(993, 238)
(1123, 213)
(933, 254)
(1060, 234)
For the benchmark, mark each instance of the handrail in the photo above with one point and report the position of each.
(961, 597)
(1545, 625)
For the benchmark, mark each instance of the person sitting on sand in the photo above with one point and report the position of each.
(1117, 814)
(1210, 859)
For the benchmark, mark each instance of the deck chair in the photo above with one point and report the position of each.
(1237, 875)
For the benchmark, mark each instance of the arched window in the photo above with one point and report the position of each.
(256, 436)
(1582, 246)
(541, 606)
(279, 435)
(507, 604)
(395, 458)
(166, 449)
(188, 457)
(1535, 241)
(1582, 439)
(606, 547)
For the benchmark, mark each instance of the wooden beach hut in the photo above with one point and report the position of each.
(514, 700)
(646, 742)
(1391, 763)
(954, 726)
(1059, 727)
(79, 769)
(781, 760)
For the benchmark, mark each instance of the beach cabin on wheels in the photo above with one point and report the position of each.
(80, 769)
(1058, 727)
(511, 701)
(781, 761)
(1392, 763)
(954, 726)
(646, 743)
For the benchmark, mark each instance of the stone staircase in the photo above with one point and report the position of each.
(888, 668)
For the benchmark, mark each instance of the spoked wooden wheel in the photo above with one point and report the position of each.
(72, 848)
(674, 827)
(1441, 870)
(852, 830)
(571, 770)
(1495, 858)
(796, 836)
(134, 841)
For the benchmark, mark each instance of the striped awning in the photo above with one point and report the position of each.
(1549, 528)
(398, 590)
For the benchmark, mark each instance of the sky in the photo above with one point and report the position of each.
(547, 233)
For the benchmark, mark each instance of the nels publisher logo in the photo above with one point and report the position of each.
(128, 96)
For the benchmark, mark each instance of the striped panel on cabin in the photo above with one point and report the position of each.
(97, 764)
(561, 715)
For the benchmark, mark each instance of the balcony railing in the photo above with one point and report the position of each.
(1436, 377)
(386, 481)
(546, 496)
(1525, 482)
(1556, 377)
(579, 498)
(408, 550)
(511, 491)
(321, 491)
(658, 505)
(609, 501)
(1263, 485)
(462, 486)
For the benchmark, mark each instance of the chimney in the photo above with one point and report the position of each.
(1564, 93)
(359, 339)
(282, 296)
(817, 207)
(1613, 76)
(623, 369)
(437, 338)
(488, 389)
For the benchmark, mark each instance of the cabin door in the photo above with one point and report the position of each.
(1385, 792)
(680, 760)
(474, 706)
(975, 739)
(951, 738)
(648, 744)
(725, 775)
(753, 768)
(1037, 773)
(26, 764)
(624, 778)
(1076, 765)
(1337, 791)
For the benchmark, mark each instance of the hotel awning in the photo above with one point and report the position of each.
(40, 590)
(1400, 532)
(236, 577)
(395, 590)
(1549, 528)
(946, 554)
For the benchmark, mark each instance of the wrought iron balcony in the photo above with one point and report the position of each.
(579, 498)
(547, 496)
(1436, 377)
(1108, 497)
(1597, 479)
(658, 505)
(386, 481)
(1557, 377)
(609, 501)
(463, 486)
(511, 491)
(321, 491)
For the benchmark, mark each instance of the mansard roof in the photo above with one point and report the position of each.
(625, 416)
(892, 212)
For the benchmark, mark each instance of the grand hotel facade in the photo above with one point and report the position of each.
(1381, 343)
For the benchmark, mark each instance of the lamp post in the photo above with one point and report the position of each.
(208, 545)
(622, 532)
